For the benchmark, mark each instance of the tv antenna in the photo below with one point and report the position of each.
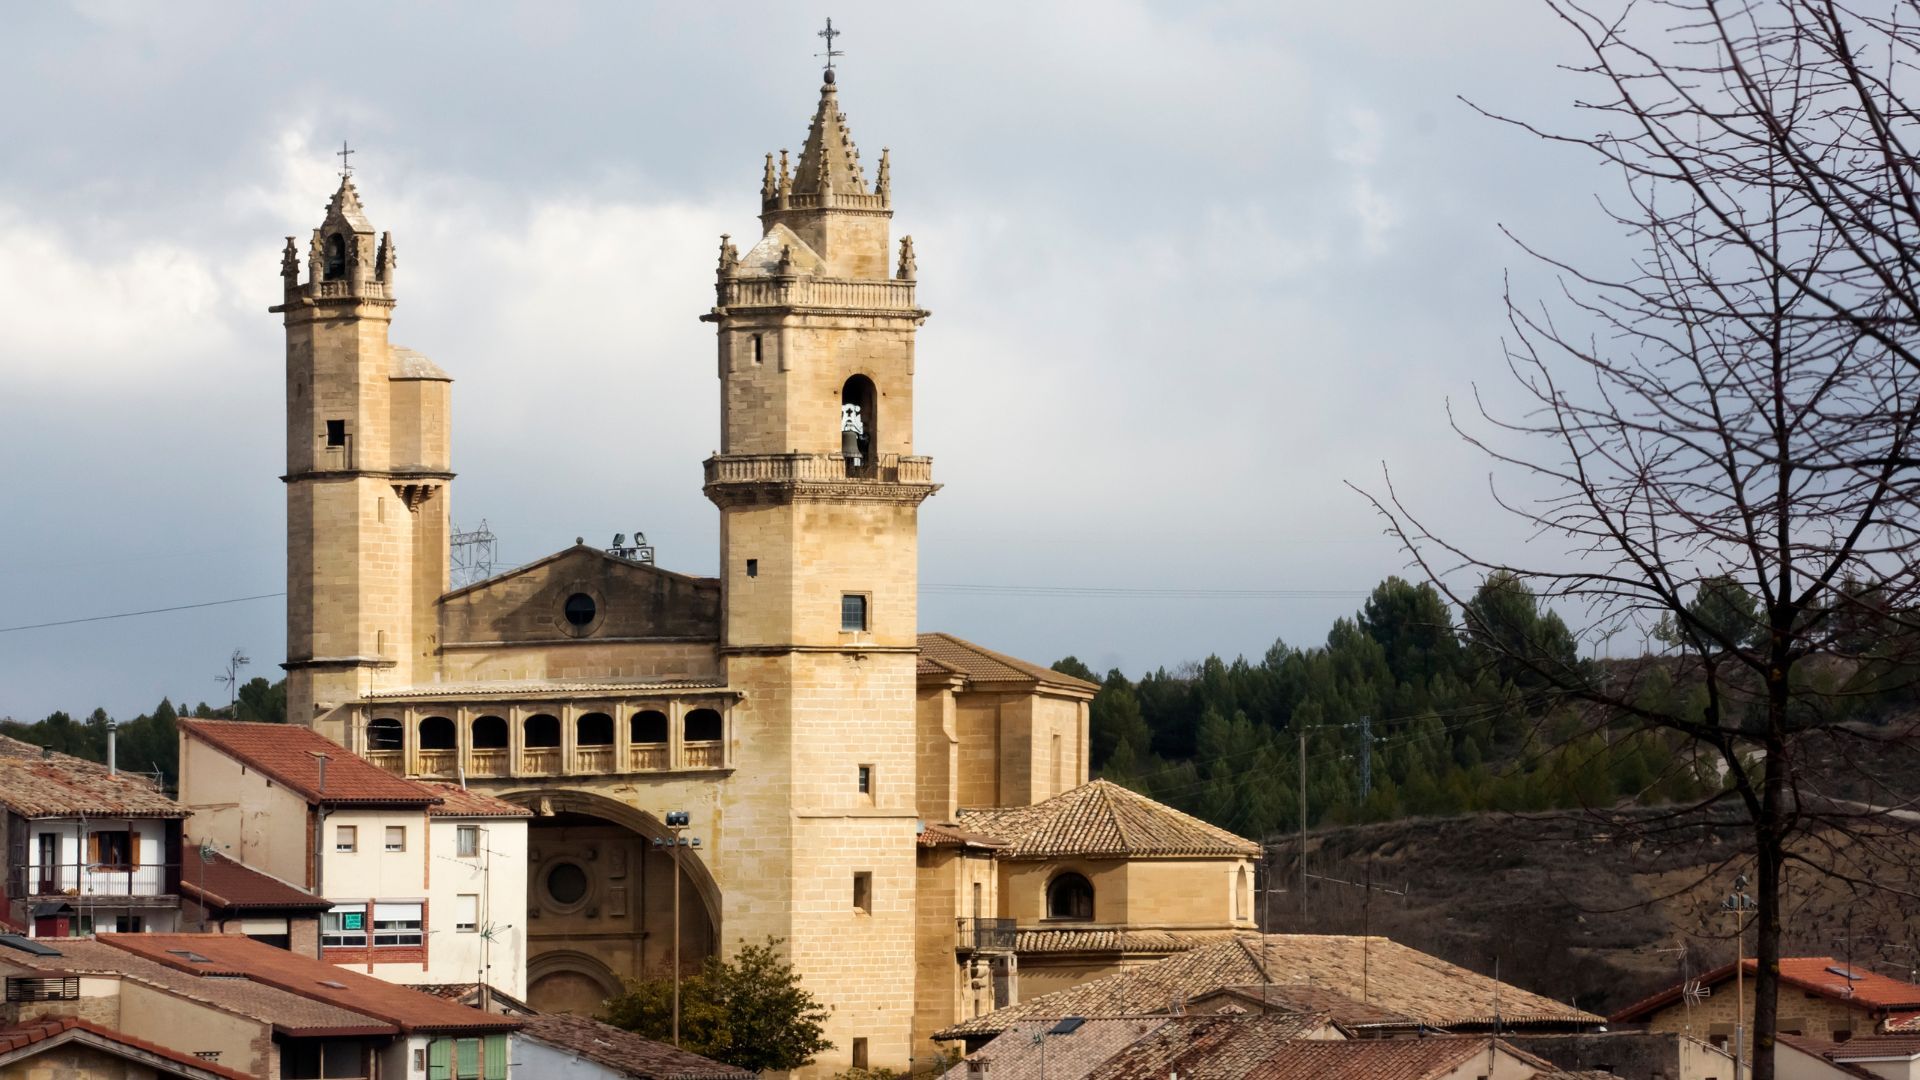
(231, 677)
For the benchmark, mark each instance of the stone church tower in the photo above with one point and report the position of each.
(819, 493)
(367, 472)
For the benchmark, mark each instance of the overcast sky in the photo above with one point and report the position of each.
(1192, 268)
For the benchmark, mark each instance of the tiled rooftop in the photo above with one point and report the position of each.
(638, 1057)
(70, 1028)
(1211, 1046)
(1024, 1049)
(459, 802)
(35, 783)
(1398, 979)
(228, 954)
(1067, 939)
(219, 882)
(1822, 975)
(949, 655)
(947, 834)
(287, 753)
(1374, 1059)
(1102, 819)
(1350, 1013)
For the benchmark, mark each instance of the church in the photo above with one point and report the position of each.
(780, 751)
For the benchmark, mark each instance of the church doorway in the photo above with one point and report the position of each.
(600, 901)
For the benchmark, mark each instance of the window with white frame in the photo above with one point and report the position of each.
(466, 913)
(344, 927)
(400, 923)
(396, 838)
(466, 841)
(346, 838)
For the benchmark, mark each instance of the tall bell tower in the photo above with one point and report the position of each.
(368, 464)
(819, 491)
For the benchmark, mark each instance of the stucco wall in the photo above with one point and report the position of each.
(163, 1018)
(497, 875)
(252, 819)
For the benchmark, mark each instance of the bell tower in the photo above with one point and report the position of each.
(368, 465)
(819, 490)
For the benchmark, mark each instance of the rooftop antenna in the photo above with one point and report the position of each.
(346, 167)
(231, 677)
(830, 33)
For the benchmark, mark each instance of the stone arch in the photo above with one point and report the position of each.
(336, 268)
(858, 392)
(636, 820)
(573, 966)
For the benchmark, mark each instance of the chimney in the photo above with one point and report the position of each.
(113, 766)
(320, 759)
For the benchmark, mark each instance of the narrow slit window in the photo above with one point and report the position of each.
(865, 780)
(753, 567)
(759, 353)
(863, 892)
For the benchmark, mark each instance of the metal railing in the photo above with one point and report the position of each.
(988, 935)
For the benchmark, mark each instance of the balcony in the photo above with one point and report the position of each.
(593, 759)
(437, 763)
(394, 761)
(541, 761)
(815, 469)
(490, 762)
(710, 754)
(889, 295)
(651, 757)
(987, 935)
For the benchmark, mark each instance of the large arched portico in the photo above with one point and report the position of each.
(600, 899)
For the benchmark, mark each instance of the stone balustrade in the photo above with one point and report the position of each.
(448, 740)
(887, 294)
(815, 468)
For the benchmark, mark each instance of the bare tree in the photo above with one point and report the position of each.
(1720, 435)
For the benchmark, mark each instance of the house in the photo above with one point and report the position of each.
(1820, 998)
(221, 896)
(88, 847)
(426, 883)
(1883, 1057)
(1374, 971)
(1630, 1055)
(559, 1046)
(70, 1046)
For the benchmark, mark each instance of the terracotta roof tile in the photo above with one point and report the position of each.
(1377, 1059)
(1213, 1046)
(34, 783)
(21, 1036)
(286, 752)
(468, 994)
(289, 1013)
(459, 802)
(1349, 1013)
(1817, 1048)
(1901, 1022)
(1102, 819)
(219, 882)
(1064, 939)
(1023, 1048)
(637, 1057)
(1406, 981)
(229, 954)
(1822, 975)
(944, 653)
(947, 834)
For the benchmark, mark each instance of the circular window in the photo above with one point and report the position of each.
(567, 884)
(580, 609)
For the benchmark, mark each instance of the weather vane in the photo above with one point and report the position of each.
(830, 33)
(346, 167)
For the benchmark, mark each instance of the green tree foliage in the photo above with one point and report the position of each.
(148, 744)
(1722, 615)
(750, 1011)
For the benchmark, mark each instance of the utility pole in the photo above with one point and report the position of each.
(1303, 828)
(1737, 904)
(677, 822)
(1366, 757)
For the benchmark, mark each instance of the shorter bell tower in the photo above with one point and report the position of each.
(368, 468)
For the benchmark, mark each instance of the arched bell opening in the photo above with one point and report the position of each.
(859, 421)
(599, 886)
(336, 269)
(436, 733)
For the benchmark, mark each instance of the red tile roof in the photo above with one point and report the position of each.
(1818, 1048)
(71, 1029)
(459, 802)
(633, 1055)
(946, 834)
(286, 752)
(36, 783)
(219, 882)
(1822, 975)
(229, 954)
(1382, 1059)
(944, 654)
(1219, 1046)
(1101, 819)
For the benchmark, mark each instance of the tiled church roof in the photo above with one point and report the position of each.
(1102, 819)
(957, 656)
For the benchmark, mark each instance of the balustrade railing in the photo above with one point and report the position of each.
(488, 762)
(791, 468)
(593, 759)
(650, 757)
(885, 295)
(436, 762)
(543, 761)
(704, 754)
(394, 761)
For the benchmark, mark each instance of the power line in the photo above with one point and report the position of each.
(1187, 593)
(131, 614)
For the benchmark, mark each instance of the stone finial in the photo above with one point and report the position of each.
(786, 178)
(729, 255)
(786, 260)
(290, 265)
(907, 266)
(316, 261)
(883, 179)
(388, 258)
(769, 186)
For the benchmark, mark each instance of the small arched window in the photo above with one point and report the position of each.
(1070, 896)
(436, 733)
(384, 734)
(702, 725)
(648, 728)
(541, 731)
(489, 733)
(1242, 895)
(860, 420)
(593, 729)
(336, 257)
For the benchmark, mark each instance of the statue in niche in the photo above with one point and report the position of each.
(853, 436)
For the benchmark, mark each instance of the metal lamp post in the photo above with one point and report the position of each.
(1737, 904)
(677, 824)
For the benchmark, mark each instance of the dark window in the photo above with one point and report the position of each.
(1070, 896)
(859, 1053)
(758, 354)
(436, 733)
(649, 727)
(489, 733)
(129, 924)
(398, 924)
(467, 841)
(702, 725)
(111, 850)
(580, 609)
(383, 734)
(753, 567)
(336, 434)
(49, 863)
(859, 393)
(567, 883)
(593, 729)
(542, 731)
(853, 611)
(866, 779)
(336, 257)
(863, 892)
(61, 988)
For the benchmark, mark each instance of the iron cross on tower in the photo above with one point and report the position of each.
(830, 33)
(346, 167)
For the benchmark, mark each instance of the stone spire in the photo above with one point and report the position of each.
(829, 162)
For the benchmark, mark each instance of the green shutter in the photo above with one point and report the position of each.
(439, 1054)
(496, 1057)
(468, 1051)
